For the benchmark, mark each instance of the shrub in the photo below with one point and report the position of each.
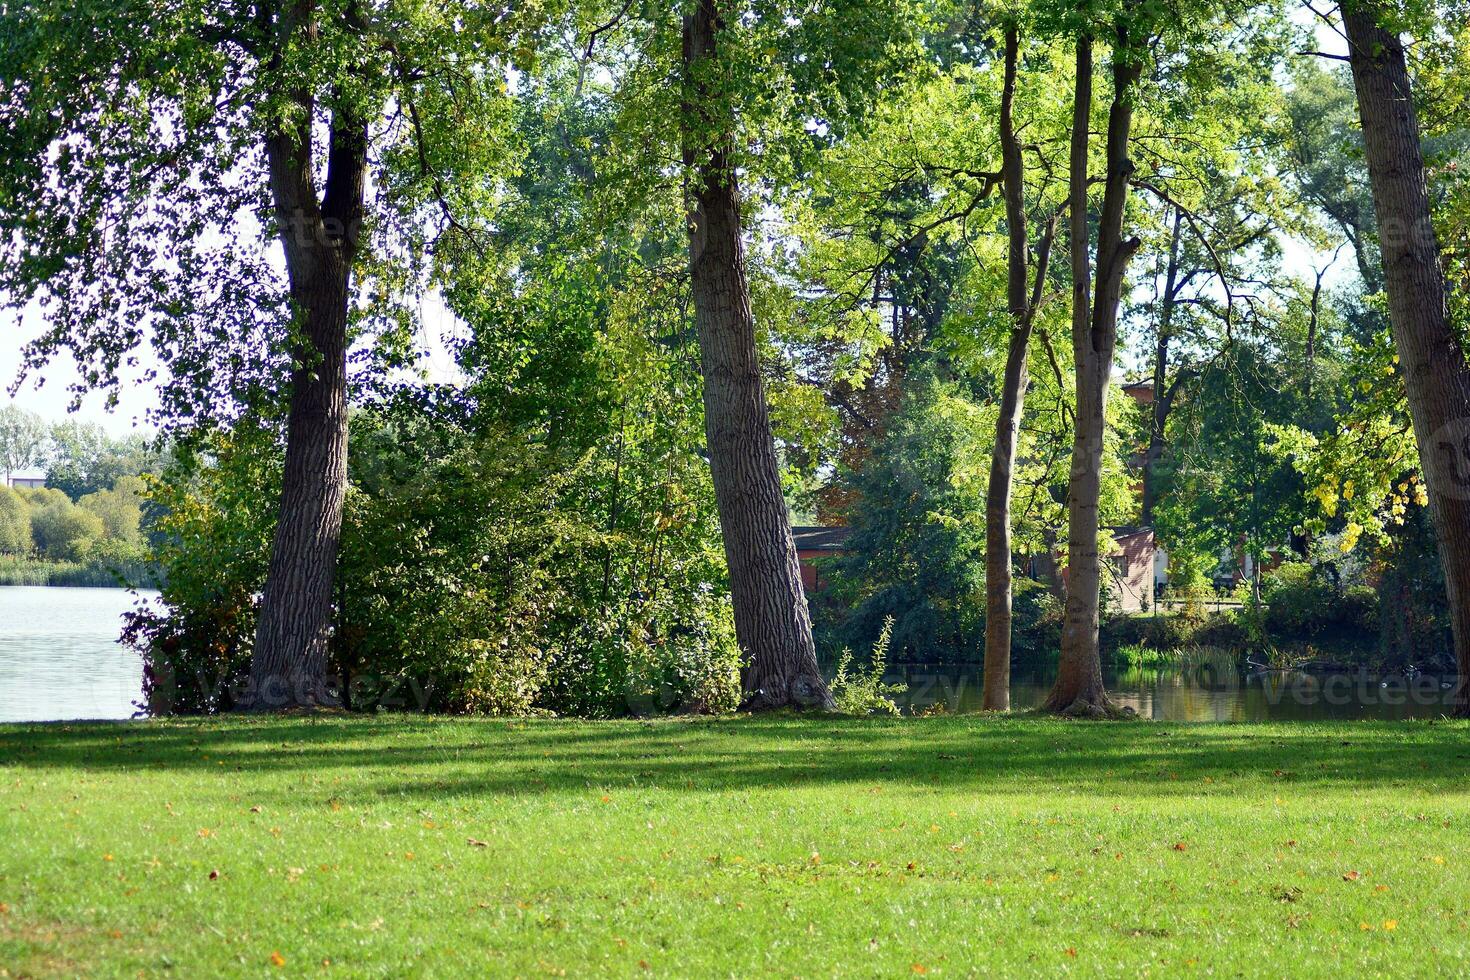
(60, 528)
(15, 523)
(473, 577)
(120, 510)
(863, 692)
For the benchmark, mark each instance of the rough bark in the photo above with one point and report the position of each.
(319, 239)
(772, 624)
(1079, 686)
(1434, 366)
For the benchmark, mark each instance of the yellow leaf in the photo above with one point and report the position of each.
(1390, 924)
(277, 959)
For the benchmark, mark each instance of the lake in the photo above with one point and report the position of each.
(60, 660)
(59, 655)
(1213, 691)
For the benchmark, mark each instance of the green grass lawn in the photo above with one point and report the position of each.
(771, 846)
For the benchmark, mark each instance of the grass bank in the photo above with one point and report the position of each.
(945, 846)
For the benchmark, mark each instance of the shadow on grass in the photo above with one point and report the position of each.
(435, 757)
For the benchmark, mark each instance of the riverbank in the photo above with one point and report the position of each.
(85, 574)
(813, 846)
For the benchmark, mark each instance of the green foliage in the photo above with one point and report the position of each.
(61, 529)
(83, 459)
(15, 523)
(1303, 604)
(477, 574)
(135, 200)
(479, 577)
(916, 554)
(121, 511)
(863, 691)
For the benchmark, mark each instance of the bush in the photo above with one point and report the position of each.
(60, 528)
(864, 692)
(120, 509)
(473, 577)
(15, 523)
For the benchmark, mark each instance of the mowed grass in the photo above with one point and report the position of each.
(748, 846)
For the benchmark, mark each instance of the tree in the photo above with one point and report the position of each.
(140, 142)
(120, 509)
(771, 617)
(61, 529)
(84, 459)
(15, 523)
(1023, 297)
(1079, 685)
(1432, 359)
(22, 440)
(915, 551)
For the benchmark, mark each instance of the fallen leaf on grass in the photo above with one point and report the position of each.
(1390, 924)
(1181, 846)
(214, 875)
(277, 959)
(1351, 875)
(475, 843)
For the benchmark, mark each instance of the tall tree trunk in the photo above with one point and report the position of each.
(1022, 307)
(772, 624)
(288, 665)
(1433, 362)
(1079, 685)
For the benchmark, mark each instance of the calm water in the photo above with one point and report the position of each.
(59, 655)
(1219, 691)
(60, 660)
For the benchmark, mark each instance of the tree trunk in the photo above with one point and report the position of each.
(288, 665)
(772, 624)
(1022, 307)
(1079, 686)
(1430, 356)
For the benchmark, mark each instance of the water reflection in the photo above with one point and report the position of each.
(59, 655)
(1214, 690)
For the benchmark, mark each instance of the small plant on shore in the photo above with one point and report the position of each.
(1139, 655)
(863, 691)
